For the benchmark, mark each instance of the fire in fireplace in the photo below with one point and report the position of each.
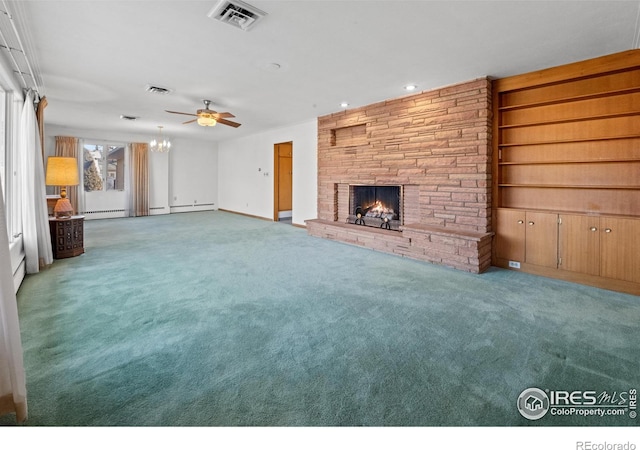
(375, 206)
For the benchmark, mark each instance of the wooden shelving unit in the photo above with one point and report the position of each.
(566, 142)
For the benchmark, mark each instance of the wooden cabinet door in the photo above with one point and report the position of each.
(541, 243)
(620, 248)
(510, 234)
(580, 244)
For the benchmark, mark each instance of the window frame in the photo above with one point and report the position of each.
(120, 178)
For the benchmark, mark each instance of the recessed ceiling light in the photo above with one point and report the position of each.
(410, 87)
(344, 104)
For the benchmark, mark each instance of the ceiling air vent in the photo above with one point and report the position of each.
(157, 89)
(236, 13)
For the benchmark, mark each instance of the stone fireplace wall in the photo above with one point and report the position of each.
(437, 145)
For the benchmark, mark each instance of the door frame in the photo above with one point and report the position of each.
(276, 178)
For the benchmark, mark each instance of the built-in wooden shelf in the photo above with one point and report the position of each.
(591, 161)
(569, 120)
(566, 168)
(566, 186)
(573, 99)
(567, 141)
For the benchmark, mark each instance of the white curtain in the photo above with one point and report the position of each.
(13, 391)
(35, 218)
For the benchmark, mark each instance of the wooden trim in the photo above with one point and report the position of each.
(582, 69)
(496, 168)
(8, 406)
(578, 98)
(244, 214)
(276, 184)
(276, 178)
(573, 277)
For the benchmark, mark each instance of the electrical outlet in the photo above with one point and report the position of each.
(514, 264)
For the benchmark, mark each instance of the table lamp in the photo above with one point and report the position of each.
(62, 171)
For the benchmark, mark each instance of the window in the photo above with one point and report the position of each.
(3, 154)
(103, 167)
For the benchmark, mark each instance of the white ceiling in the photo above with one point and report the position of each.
(95, 57)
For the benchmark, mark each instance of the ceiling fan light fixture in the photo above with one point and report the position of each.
(207, 121)
(207, 117)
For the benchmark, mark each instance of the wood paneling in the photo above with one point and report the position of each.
(596, 201)
(580, 244)
(567, 142)
(541, 242)
(620, 243)
(511, 234)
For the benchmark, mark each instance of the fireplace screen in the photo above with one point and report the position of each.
(376, 206)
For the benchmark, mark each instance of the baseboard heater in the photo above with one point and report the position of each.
(193, 205)
(104, 211)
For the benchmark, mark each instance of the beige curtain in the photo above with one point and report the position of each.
(42, 104)
(68, 146)
(139, 179)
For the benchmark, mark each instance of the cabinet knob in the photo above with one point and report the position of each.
(607, 230)
(531, 223)
(593, 229)
(520, 222)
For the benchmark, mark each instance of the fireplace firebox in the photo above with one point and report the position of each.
(375, 206)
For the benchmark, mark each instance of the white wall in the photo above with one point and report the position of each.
(193, 176)
(159, 182)
(245, 178)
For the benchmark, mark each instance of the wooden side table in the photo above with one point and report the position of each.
(67, 236)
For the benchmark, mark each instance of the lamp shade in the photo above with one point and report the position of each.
(62, 171)
(207, 121)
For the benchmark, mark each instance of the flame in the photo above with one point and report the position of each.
(379, 210)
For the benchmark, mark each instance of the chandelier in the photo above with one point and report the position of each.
(160, 145)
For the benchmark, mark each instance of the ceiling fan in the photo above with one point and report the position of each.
(207, 117)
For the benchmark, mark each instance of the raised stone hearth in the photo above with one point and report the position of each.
(435, 145)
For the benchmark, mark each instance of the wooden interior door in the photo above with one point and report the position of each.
(541, 243)
(620, 245)
(510, 234)
(283, 178)
(580, 244)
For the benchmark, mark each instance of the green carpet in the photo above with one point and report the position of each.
(216, 319)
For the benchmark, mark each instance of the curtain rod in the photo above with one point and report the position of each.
(10, 50)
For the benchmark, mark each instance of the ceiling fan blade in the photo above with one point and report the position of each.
(189, 121)
(176, 112)
(225, 115)
(228, 122)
